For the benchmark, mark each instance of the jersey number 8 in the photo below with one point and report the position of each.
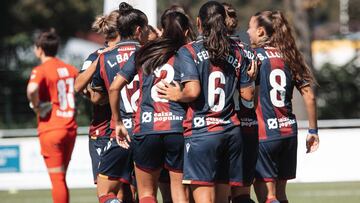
(278, 87)
(66, 98)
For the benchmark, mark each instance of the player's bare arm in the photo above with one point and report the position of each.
(33, 96)
(121, 133)
(312, 139)
(171, 92)
(97, 97)
(247, 93)
(84, 78)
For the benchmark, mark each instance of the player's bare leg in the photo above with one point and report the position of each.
(120, 194)
(271, 190)
(179, 192)
(165, 192)
(107, 189)
(281, 191)
(203, 194)
(265, 190)
(147, 185)
(222, 192)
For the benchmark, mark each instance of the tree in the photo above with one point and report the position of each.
(21, 20)
(339, 91)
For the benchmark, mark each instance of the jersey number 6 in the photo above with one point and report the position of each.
(213, 91)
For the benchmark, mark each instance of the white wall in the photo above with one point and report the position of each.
(336, 160)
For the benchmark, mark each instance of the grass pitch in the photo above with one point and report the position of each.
(348, 192)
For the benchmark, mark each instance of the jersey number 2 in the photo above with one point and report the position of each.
(170, 73)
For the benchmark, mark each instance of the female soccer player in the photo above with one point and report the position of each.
(245, 110)
(164, 180)
(211, 69)
(282, 69)
(158, 133)
(51, 95)
(99, 131)
(116, 163)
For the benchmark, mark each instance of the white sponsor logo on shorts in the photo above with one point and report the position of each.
(98, 150)
(187, 147)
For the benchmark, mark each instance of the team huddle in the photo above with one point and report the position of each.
(200, 117)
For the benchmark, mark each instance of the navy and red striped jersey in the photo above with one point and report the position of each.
(214, 110)
(108, 65)
(101, 114)
(274, 110)
(155, 115)
(246, 110)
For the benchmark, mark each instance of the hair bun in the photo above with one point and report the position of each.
(124, 7)
(52, 30)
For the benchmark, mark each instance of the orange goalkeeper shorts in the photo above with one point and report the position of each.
(57, 146)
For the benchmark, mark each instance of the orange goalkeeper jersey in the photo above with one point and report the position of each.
(56, 85)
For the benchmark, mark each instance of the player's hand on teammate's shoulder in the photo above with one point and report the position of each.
(169, 91)
(122, 135)
(312, 143)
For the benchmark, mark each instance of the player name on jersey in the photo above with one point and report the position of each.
(123, 57)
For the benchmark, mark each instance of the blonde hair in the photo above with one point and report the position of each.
(107, 25)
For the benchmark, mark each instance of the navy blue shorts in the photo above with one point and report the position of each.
(214, 158)
(152, 152)
(96, 147)
(116, 163)
(250, 156)
(277, 159)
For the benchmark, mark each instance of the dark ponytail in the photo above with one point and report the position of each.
(212, 15)
(191, 36)
(129, 19)
(231, 18)
(157, 52)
